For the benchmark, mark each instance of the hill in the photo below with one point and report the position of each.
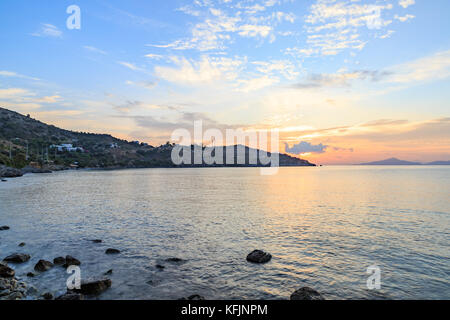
(391, 162)
(438, 163)
(26, 141)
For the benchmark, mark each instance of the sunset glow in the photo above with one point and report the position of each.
(351, 81)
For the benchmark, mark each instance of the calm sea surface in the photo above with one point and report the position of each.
(324, 227)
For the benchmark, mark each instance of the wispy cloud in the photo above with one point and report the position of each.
(219, 27)
(94, 49)
(203, 71)
(404, 18)
(335, 26)
(13, 74)
(340, 79)
(430, 68)
(48, 30)
(154, 56)
(143, 84)
(406, 3)
(129, 65)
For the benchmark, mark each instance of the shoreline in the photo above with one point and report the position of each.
(8, 172)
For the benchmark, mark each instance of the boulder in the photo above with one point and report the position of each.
(306, 293)
(70, 296)
(29, 169)
(259, 256)
(43, 266)
(71, 261)
(59, 261)
(30, 274)
(3, 228)
(7, 172)
(17, 258)
(109, 272)
(47, 296)
(160, 267)
(22, 244)
(6, 272)
(94, 287)
(112, 251)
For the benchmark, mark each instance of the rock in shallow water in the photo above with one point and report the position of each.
(71, 261)
(112, 251)
(43, 266)
(194, 297)
(4, 228)
(7, 172)
(306, 293)
(259, 256)
(6, 272)
(17, 258)
(175, 260)
(70, 296)
(59, 261)
(47, 296)
(12, 289)
(94, 287)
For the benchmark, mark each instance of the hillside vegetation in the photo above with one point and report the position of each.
(24, 140)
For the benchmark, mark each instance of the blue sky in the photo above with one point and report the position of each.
(364, 78)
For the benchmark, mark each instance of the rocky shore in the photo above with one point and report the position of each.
(8, 172)
(14, 288)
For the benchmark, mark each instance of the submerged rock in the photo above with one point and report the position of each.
(32, 291)
(112, 251)
(4, 228)
(17, 258)
(71, 261)
(94, 287)
(22, 244)
(194, 297)
(160, 267)
(30, 274)
(6, 272)
(70, 296)
(109, 272)
(306, 293)
(259, 256)
(175, 260)
(96, 241)
(43, 266)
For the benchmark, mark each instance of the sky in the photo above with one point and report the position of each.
(344, 81)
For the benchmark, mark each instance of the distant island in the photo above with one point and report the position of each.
(398, 162)
(33, 146)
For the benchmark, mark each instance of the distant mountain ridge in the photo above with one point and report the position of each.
(398, 162)
(25, 141)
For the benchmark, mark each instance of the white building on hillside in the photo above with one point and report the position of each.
(66, 147)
